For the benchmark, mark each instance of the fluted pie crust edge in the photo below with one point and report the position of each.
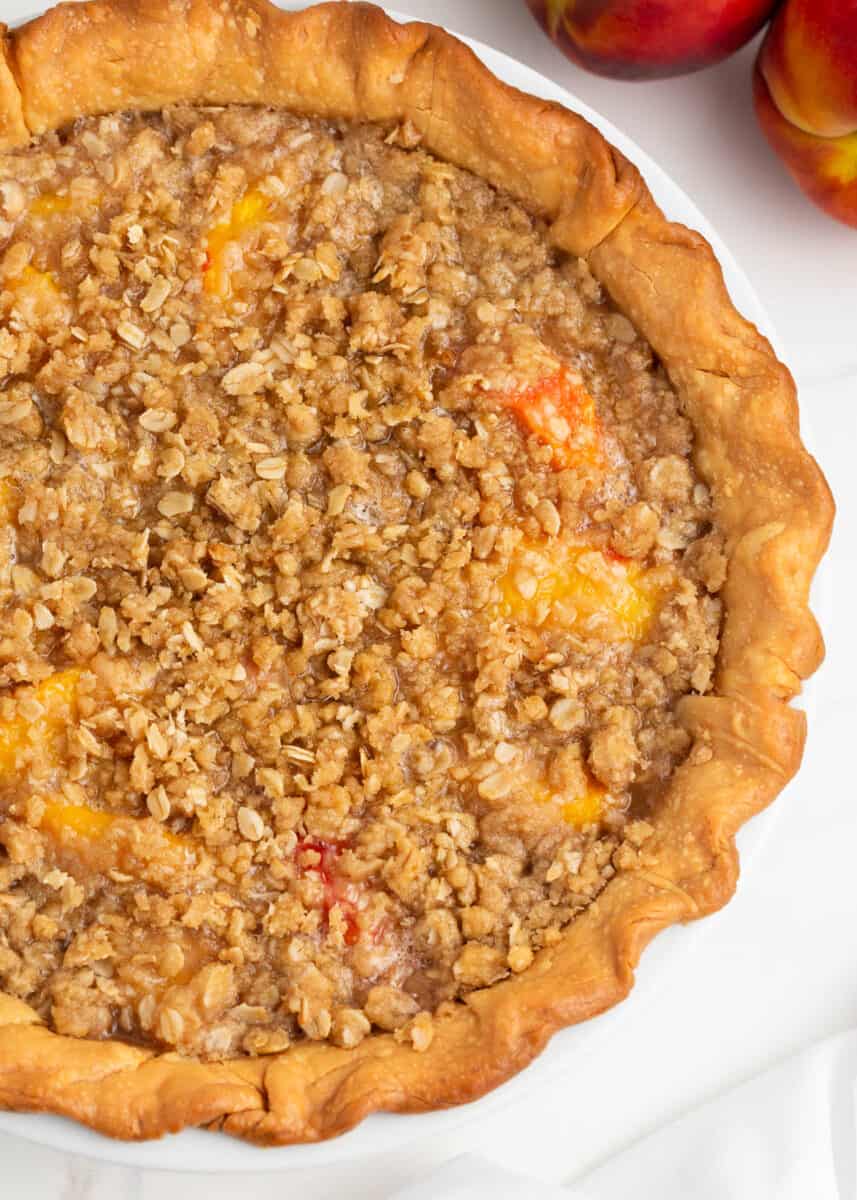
(351, 61)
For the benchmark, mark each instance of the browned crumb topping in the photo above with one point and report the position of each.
(352, 563)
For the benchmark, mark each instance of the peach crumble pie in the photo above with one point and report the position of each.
(354, 562)
(362, 564)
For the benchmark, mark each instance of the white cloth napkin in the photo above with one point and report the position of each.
(788, 1134)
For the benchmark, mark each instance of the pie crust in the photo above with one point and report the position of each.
(350, 61)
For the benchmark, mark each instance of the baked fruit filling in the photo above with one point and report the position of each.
(352, 564)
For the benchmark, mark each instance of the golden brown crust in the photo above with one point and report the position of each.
(351, 61)
(13, 128)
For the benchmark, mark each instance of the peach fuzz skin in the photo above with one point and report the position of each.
(650, 39)
(805, 92)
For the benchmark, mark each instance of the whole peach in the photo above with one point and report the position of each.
(805, 91)
(647, 39)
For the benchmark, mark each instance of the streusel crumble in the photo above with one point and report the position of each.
(353, 562)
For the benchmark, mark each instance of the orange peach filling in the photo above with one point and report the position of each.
(224, 244)
(36, 293)
(99, 840)
(87, 839)
(50, 204)
(560, 413)
(527, 788)
(7, 502)
(585, 809)
(41, 718)
(581, 810)
(35, 297)
(76, 819)
(578, 587)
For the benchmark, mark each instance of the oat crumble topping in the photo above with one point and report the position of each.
(352, 561)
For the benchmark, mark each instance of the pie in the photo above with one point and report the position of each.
(404, 565)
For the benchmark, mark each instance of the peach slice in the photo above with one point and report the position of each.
(574, 585)
(78, 819)
(38, 283)
(578, 811)
(50, 204)
(37, 295)
(586, 809)
(30, 731)
(8, 507)
(561, 413)
(223, 244)
(530, 806)
(75, 202)
(89, 839)
(8, 512)
(6, 501)
(82, 836)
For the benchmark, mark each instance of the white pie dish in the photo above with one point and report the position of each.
(200, 1151)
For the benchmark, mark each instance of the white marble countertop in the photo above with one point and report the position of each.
(775, 970)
